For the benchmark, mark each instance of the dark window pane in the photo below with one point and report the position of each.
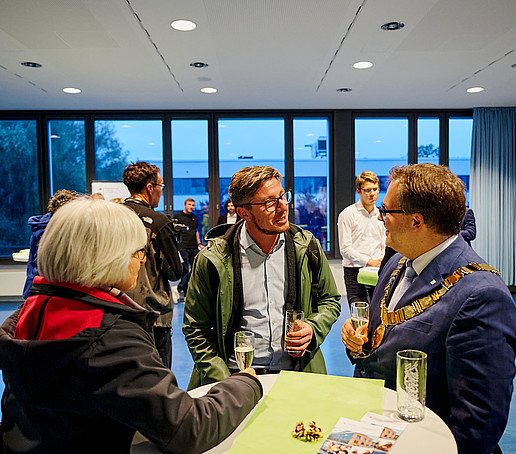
(190, 168)
(380, 144)
(460, 130)
(19, 188)
(120, 142)
(249, 142)
(428, 140)
(311, 177)
(67, 155)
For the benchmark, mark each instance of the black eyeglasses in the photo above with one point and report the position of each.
(162, 185)
(383, 211)
(139, 254)
(371, 190)
(272, 203)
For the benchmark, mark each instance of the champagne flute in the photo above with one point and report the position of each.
(360, 320)
(244, 349)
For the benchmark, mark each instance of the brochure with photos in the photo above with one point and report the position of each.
(373, 434)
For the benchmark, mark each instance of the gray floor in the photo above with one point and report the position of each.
(336, 361)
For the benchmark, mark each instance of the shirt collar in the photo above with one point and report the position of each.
(361, 207)
(246, 241)
(421, 262)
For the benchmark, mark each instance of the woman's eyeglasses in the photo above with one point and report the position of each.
(139, 254)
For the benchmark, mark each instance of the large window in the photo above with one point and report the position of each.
(120, 142)
(249, 142)
(311, 176)
(460, 131)
(19, 190)
(380, 144)
(190, 168)
(428, 140)
(67, 155)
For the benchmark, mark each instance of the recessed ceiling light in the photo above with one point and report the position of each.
(209, 90)
(389, 26)
(475, 89)
(183, 25)
(198, 64)
(362, 65)
(31, 64)
(55, 136)
(72, 91)
(344, 90)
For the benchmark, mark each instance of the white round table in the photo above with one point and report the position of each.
(426, 437)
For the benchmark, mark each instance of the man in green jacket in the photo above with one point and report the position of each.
(277, 266)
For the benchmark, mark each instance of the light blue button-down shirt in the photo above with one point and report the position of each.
(264, 281)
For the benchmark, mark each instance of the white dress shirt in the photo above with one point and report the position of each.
(361, 235)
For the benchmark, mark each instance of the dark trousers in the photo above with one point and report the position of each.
(188, 256)
(163, 341)
(355, 291)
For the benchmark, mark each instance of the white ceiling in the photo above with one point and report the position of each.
(262, 54)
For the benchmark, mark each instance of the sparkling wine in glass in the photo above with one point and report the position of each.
(360, 320)
(244, 349)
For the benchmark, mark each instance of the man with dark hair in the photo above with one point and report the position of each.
(437, 295)
(189, 243)
(361, 237)
(163, 263)
(248, 276)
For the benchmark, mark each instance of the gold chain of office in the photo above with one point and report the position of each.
(420, 305)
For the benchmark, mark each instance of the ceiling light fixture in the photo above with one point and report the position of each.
(344, 90)
(31, 64)
(183, 25)
(475, 89)
(390, 26)
(71, 91)
(362, 65)
(209, 90)
(198, 64)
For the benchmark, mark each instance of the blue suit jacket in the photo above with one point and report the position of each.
(470, 339)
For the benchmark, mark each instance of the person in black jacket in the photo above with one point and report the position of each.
(231, 217)
(163, 263)
(81, 371)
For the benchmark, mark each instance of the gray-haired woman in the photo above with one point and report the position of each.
(78, 359)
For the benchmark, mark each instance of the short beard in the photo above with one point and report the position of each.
(267, 231)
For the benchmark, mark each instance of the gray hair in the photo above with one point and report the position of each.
(90, 243)
(246, 181)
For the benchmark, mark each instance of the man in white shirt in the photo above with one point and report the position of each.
(361, 237)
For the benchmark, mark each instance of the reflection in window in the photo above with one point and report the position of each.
(190, 168)
(249, 142)
(67, 155)
(380, 144)
(19, 188)
(460, 132)
(120, 142)
(428, 140)
(311, 177)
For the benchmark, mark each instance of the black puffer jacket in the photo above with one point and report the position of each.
(82, 375)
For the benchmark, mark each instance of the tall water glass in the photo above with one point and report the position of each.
(411, 370)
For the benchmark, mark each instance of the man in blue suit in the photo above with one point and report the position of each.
(468, 326)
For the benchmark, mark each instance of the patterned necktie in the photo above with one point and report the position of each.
(403, 285)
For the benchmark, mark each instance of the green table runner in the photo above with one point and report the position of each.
(297, 396)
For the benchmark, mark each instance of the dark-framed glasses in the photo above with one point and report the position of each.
(139, 254)
(383, 211)
(370, 190)
(161, 185)
(271, 204)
